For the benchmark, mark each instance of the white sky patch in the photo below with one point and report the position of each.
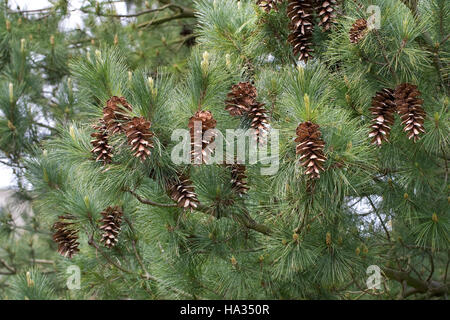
(6, 177)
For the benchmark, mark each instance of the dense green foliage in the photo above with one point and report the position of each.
(385, 206)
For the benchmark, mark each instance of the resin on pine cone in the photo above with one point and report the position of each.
(240, 99)
(101, 149)
(358, 30)
(139, 137)
(239, 179)
(66, 236)
(182, 192)
(326, 11)
(310, 147)
(410, 109)
(116, 113)
(268, 5)
(111, 225)
(202, 144)
(383, 109)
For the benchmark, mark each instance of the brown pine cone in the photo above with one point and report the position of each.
(326, 11)
(199, 123)
(259, 121)
(268, 5)
(66, 236)
(183, 193)
(240, 99)
(358, 30)
(383, 108)
(410, 109)
(112, 220)
(139, 137)
(101, 149)
(239, 179)
(310, 147)
(116, 113)
(301, 26)
(301, 44)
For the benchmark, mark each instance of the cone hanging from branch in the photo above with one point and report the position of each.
(310, 147)
(183, 193)
(410, 109)
(111, 225)
(326, 11)
(101, 148)
(66, 236)
(301, 26)
(383, 109)
(239, 179)
(240, 99)
(139, 137)
(358, 30)
(201, 148)
(259, 121)
(116, 113)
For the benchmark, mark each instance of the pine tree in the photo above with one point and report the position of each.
(362, 150)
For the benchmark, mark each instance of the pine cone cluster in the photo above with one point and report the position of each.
(403, 100)
(199, 123)
(116, 113)
(383, 109)
(66, 236)
(101, 149)
(111, 225)
(358, 30)
(183, 193)
(410, 109)
(326, 12)
(310, 147)
(268, 5)
(117, 119)
(300, 13)
(242, 101)
(139, 137)
(239, 179)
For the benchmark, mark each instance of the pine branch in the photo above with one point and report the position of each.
(246, 220)
(185, 14)
(432, 288)
(8, 267)
(137, 14)
(152, 203)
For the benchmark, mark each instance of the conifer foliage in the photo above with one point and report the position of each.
(354, 172)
